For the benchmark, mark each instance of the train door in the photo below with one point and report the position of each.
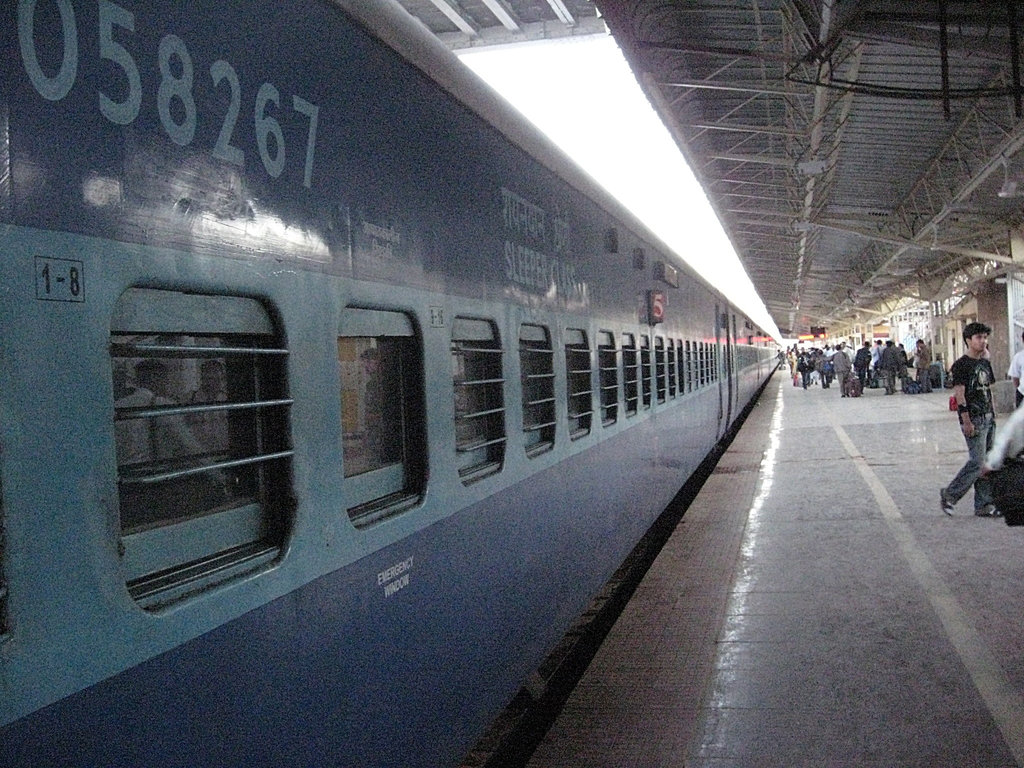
(734, 380)
(724, 370)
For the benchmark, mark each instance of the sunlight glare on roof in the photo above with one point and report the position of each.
(582, 94)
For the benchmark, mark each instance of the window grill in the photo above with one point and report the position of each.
(608, 367)
(579, 388)
(673, 355)
(382, 413)
(688, 364)
(201, 428)
(479, 398)
(645, 369)
(537, 372)
(660, 368)
(630, 374)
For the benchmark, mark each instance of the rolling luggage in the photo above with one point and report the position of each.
(1008, 490)
(853, 386)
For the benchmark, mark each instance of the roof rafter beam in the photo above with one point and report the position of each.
(782, 162)
(456, 17)
(741, 128)
(714, 50)
(737, 86)
(905, 244)
(918, 201)
(914, 36)
(563, 13)
(502, 13)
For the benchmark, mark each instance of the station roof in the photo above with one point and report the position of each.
(858, 154)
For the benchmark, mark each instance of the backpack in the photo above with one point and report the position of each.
(1008, 491)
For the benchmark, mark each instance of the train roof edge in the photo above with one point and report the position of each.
(398, 30)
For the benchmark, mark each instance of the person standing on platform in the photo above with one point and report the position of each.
(972, 379)
(819, 368)
(1016, 373)
(904, 361)
(843, 367)
(862, 362)
(805, 365)
(888, 365)
(922, 363)
(876, 354)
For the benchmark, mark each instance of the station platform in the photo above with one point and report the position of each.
(816, 608)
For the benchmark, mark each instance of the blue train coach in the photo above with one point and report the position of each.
(329, 392)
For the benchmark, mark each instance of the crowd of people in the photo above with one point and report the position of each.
(877, 365)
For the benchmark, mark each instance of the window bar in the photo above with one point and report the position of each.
(471, 447)
(477, 382)
(477, 414)
(580, 414)
(538, 427)
(179, 410)
(160, 350)
(179, 473)
(463, 349)
(540, 401)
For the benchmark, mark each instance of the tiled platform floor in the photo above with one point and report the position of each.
(815, 608)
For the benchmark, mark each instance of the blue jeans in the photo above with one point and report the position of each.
(970, 474)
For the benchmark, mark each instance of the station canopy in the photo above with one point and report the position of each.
(860, 154)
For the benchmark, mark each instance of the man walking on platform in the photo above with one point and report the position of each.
(888, 365)
(972, 377)
(922, 362)
(842, 365)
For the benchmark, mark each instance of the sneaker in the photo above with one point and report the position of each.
(946, 502)
(989, 510)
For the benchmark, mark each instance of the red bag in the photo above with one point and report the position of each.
(952, 403)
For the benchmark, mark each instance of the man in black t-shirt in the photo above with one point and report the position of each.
(972, 378)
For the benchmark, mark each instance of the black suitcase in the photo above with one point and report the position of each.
(1008, 491)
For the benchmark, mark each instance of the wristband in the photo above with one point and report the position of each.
(962, 409)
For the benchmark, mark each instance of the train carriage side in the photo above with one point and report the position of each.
(324, 408)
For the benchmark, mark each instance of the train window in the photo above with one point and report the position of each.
(660, 368)
(687, 364)
(580, 391)
(630, 373)
(383, 431)
(537, 366)
(201, 427)
(479, 398)
(673, 349)
(645, 369)
(608, 367)
(680, 349)
(695, 364)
